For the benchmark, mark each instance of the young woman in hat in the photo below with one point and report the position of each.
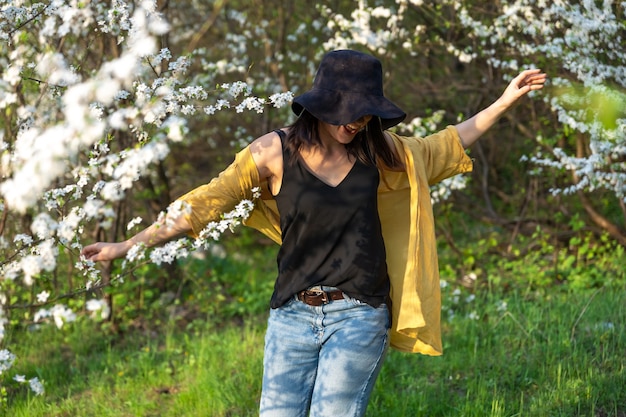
(349, 203)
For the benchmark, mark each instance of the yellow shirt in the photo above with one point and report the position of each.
(406, 217)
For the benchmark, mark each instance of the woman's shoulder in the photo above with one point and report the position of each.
(267, 152)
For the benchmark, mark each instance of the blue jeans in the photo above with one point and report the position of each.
(322, 360)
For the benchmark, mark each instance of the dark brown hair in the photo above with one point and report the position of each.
(369, 145)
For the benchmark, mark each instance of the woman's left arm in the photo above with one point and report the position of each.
(472, 129)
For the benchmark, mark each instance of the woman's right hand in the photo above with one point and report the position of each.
(102, 251)
(154, 234)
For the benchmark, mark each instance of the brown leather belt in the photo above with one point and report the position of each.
(317, 298)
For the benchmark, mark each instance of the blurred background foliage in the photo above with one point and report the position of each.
(506, 228)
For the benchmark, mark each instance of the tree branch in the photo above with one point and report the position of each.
(35, 16)
(600, 220)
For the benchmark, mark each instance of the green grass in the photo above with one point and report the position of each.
(175, 373)
(549, 354)
(559, 355)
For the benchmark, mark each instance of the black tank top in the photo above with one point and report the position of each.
(330, 235)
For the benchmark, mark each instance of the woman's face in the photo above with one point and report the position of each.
(343, 133)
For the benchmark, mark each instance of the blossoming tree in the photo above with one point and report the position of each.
(92, 104)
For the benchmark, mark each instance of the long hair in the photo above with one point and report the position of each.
(369, 145)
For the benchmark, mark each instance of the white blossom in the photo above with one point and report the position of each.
(102, 306)
(59, 313)
(133, 223)
(36, 386)
(42, 297)
(281, 99)
(501, 306)
(43, 226)
(251, 103)
(6, 360)
(136, 253)
(473, 315)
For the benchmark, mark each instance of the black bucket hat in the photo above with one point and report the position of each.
(348, 85)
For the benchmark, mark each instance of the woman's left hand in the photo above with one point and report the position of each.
(526, 81)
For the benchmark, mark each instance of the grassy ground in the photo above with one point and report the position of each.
(552, 354)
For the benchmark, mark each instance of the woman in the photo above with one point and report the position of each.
(349, 203)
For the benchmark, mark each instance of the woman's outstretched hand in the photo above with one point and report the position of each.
(526, 81)
(102, 251)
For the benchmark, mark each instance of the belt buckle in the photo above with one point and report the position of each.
(320, 293)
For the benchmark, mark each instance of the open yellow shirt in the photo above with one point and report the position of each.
(406, 217)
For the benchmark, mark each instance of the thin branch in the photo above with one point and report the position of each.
(3, 221)
(43, 82)
(206, 26)
(77, 292)
(35, 16)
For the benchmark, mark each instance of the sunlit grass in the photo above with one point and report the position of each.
(551, 355)
(208, 372)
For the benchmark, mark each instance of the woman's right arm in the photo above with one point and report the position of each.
(267, 155)
(156, 234)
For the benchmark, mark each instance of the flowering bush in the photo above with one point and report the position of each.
(81, 130)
